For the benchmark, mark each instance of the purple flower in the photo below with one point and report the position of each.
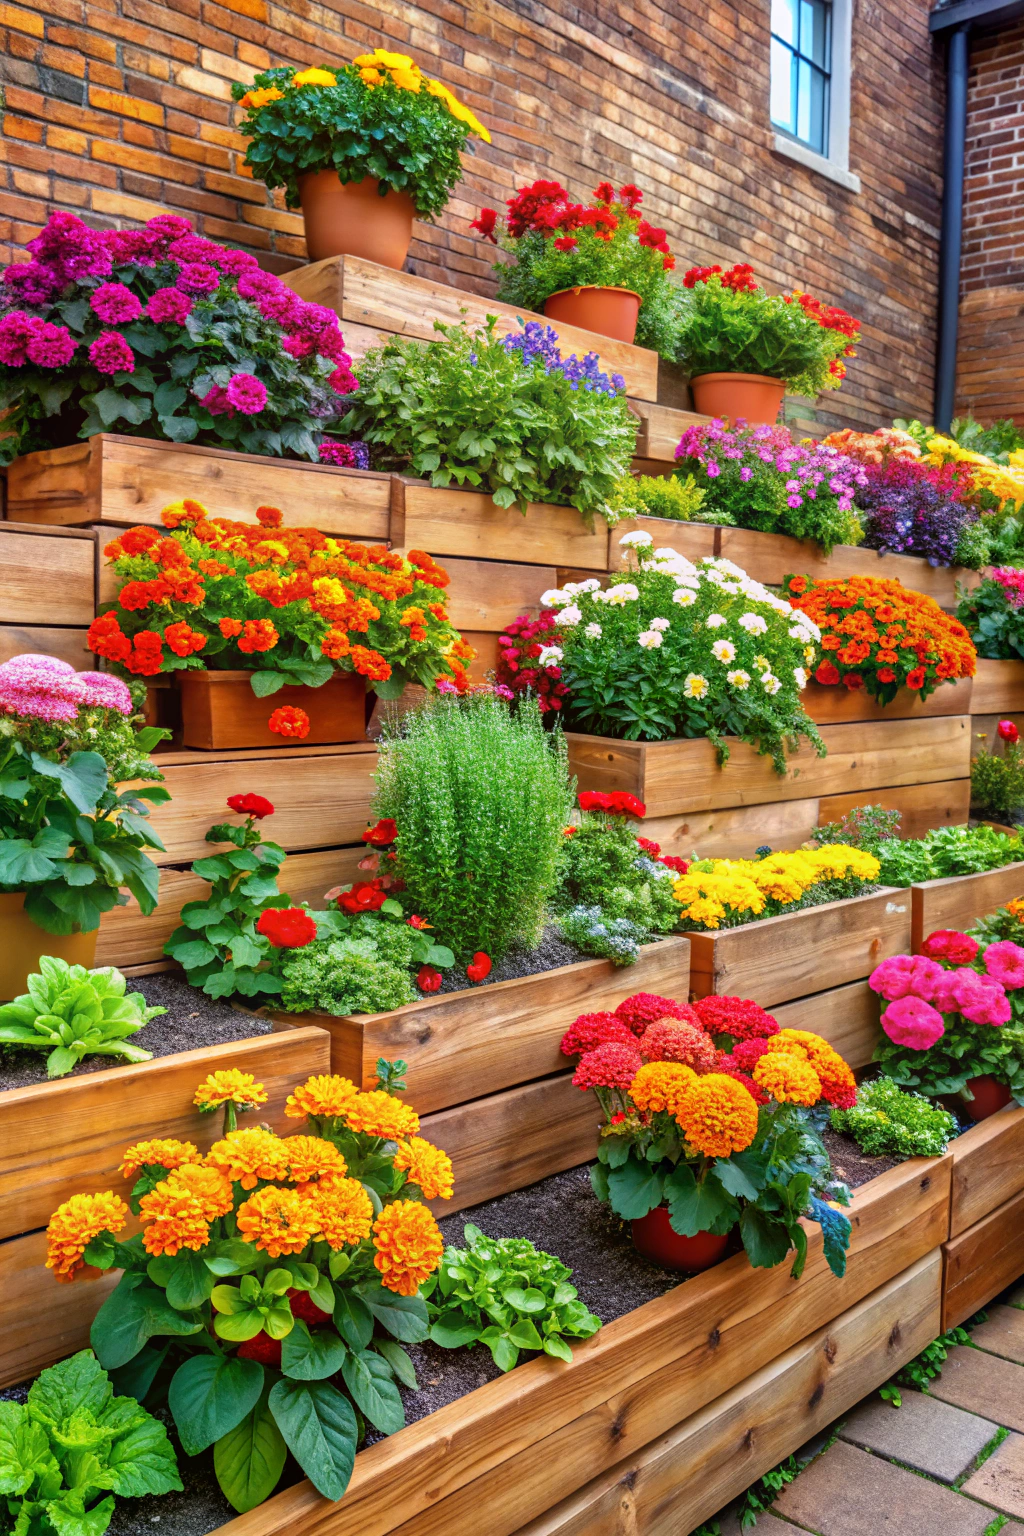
(115, 304)
(794, 501)
(16, 331)
(110, 353)
(745, 473)
(713, 469)
(169, 306)
(198, 278)
(70, 249)
(52, 346)
(912, 508)
(345, 455)
(40, 688)
(30, 283)
(247, 394)
(538, 344)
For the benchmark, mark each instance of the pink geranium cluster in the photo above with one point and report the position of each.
(1012, 582)
(953, 977)
(36, 687)
(523, 663)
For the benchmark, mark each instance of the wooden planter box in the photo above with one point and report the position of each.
(988, 1168)
(684, 775)
(982, 1261)
(838, 705)
(961, 900)
(47, 592)
(220, 711)
(998, 688)
(453, 522)
(801, 953)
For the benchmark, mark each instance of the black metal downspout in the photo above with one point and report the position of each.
(954, 156)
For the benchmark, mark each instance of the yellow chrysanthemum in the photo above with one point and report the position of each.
(324, 1097)
(278, 1221)
(838, 1083)
(707, 897)
(315, 77)
(788, 1077)
(310, 1159)
(230, 1086)
(370, 76)
(407, 79)
(73, 1226)
(426, 1166)
(160, 1153)
(381, 58)
(718, 1116)
(173, 1218)
(380, 1114)
(248, 1156)
(661, 1085)
(261, 98)
(211, 1188)
(343, 1212)
(409, 1246)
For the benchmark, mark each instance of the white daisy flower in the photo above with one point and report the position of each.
(732, 587)
(650, 639)
(624, 592)
(729, 568)
(684, 597)
(590, 585)
(570, 615)
(554, 597)
(753, 623)
(801, 677)
(770, 683)
(636, 540)
(723, 650)
(738, 679)
(659, 624)
(695, 686)
(714, 621)
(593, 631)
(550, 656)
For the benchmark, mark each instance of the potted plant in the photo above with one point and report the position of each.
(746, 348)
(364, 149)
(242, 611)
(710, 1126)
(598, 265)
(160, 333)
(69, 842)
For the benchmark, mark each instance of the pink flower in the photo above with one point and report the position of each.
(237, 262)
(613, 1065)
(40, 688)
(343, 381)
(913, 1023)
(199, 278)
(16, 331)
(1004, 962)
(906, 976)
(106, 692)
(115, 304)
(193, 248)
(31, 283)
(166, 228)
(110, 353)
(52, 346)
(70, 249)
(978, 998)
(216, 401)
(169, 306)
(246, 393)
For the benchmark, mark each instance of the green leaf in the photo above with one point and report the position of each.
(190, 1282)
(698, 1206)
(767, 1242)
(399, 1362)
(369, 1379)
(266, 682)
(210, 1395)
(524, 1334)
(634, 1189)
(525, 1301)
(136, 1378)
(319, 1427)
(404, 1317)
(555, 1345)
(743, 1174)
(142, 1461)
(307, 1356)
(69, 1517)
(131, 1315)
(193, 954)
(83, 778)
(250, 1458)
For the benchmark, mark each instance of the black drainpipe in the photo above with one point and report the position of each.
(954, 156)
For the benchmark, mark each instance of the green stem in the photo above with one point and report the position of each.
(230, 1117)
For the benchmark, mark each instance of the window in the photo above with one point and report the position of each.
(802, 69)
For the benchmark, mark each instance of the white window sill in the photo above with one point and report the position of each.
(804, 155)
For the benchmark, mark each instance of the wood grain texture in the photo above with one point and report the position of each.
(982, 1261)
(836, 706)
(128, 480)
(68, 644)
(921, 806)
(734, 834)
(637, 1378)
(488, 594)
(800, 953)
(465, 1044)
(453, 522)
(68, 1136)
(988, 1167)
(770, 557)
(661, 428)
(694, 540)
(847, 1017)
(687, 1475)
(46, 580)
(962, 899)
(998, 688)
(43, 1322)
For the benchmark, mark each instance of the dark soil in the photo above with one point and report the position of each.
(852, 1165)
(551, 952)
(192, 1020)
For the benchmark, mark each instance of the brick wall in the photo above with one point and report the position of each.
(993, 254)
(121, 108)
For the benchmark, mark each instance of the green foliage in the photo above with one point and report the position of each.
(407, 139)
(603, 866)
(996, 441)
(866, 826)
(359, 964)
(617, 939)
(468, 409)
(887, 1121)
(480, 797)
(1005, 923)
(73, 1012)
(927, 1366)
(994, 618)
(72, 1440)
(505, 1293)
(724, 330)
(946, 851)
(997, 782)
(660, 496)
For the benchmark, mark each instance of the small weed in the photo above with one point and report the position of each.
(982, 1456)
(926, 1366)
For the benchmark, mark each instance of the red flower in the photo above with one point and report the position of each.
(287, 928)
(484, 224)
(480, 967)
(643, 1008)
(853, 681)
(1007, 731)
(916, 678)
(306, 1310)
(566, 243)
(262, 1348)
(630, 196)
(428, 978)
(948, 944)
(418, 922)
(654, 849)
(604, 192)
(609, 1066)
(269, 517)
(593, 1029)
(289, 721)
(617, 803)
(364, 896)
(251, 805)
(735, 1016)
(381, 833)
(827, 674)
(698, 275)
(673, 861)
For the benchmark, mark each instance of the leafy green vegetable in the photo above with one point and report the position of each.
(73, 1012)
(888, 1121)
(607, 880)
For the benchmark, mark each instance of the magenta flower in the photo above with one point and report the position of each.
(110, 353)
(247, 394)
(39, 687)
(283, 307)
(131, 247)
(52, 346)
(343, 381)
(257, 285)
(216, 401)
(199, 278)
(16, 331)
(71, 250)
(165, 229)
(914, 1023)
(106, 692)
(1004, 961)
(169, 306)
(236, 262)
(192, 248)
(30, 283)
(115, 304)
(906, 976)
(978, 998)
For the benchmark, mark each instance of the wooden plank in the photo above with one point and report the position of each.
(847, 1017)
(68, 644)
(684, 1477)
(397, 303)
(465, 1044)
(984, 732)
(835, 706)
(801, 953)
(998, 688)
(988, 1167)
(770, 557)
(485, 643)
(46, 579)
(661, 429)
(694, 540)
(42, 1324)
(735, 834)
(129, 480)
(961, 900)
(674, 776)
(921, 806)
(488, 594)
(636, 1378)
(453, 522)
(41, 1164)
(982, 1261)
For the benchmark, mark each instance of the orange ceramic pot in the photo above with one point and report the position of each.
(655, 1239)
(220, 710)
(352, 219)
(988, 1097)
(608, 311)
(23, 943)
(750, 397)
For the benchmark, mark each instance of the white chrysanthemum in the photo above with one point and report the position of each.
(554, 597)
(650, 639)
(801, 677)
(673, 557)
(593, 631)
(572, 588)
(714, 621)
(778, 604)
(727, 567)
(625, 592)
(682, 579)
(590, 585)
(770, 683)
(715, 577)
(732, 587)
(798, 632)
(762, 663)
(684, 597)
(754, 590)
(753, 623)
(738, 679)
(569, 616)
(662, 624)
(636, 540)
(810, 626)
(723, 650)
(550, 656)
(695, 686)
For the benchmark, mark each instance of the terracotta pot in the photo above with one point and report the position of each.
(219, 709)
(989, 1096)
(750, 397)
(352, 219)
(608, 311)
(23, 942)
(655, 1239)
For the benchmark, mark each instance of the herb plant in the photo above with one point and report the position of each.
(362, 964)
(866, 826)
(927, 1366)
(72, 1441)
(73, 1012)
(655, 496)
(507, 1294)
(508, 415)
(591, 930)
(888, 1121)
(997, 780)
(613, 876)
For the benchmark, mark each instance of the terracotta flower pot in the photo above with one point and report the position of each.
(989, 1096)
(352, 219)
(655, 1239)
(219, 709)
(750, 397)
(23, 943)
(608, 311)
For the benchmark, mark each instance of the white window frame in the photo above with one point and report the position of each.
(836, 164)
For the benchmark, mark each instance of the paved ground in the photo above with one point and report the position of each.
(949, 1462)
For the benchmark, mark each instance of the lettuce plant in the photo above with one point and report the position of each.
(73, 1012)
(888, 1121)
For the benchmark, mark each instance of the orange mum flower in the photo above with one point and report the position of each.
(380, 1114)
(718, 1116)
(211, 1188)
(310, 1157)
(174, 1218)
(370, 663)
(258, 635)
(159, 1153)
(427, 1166)
(288, 721)
(277, 1220)
(230, 627)
(73, 1226)
(248, 1156)
(838, 1084)
(662, 1085)
(409, 1246)
(335, 644)
(323, 1097)
(787, 1077)
(180, 512)
(343, 1212)
(230, 1086)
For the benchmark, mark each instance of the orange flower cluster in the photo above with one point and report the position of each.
(73, 1226)
(878, 635)
(409, 1246)
(718, 1116)
(426, 1166)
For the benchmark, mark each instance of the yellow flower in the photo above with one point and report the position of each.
(343, 1212)
(73, 1226)
(662, 1086)
(278, 1221)
(426, 1166)
(315, 77)
(787, 1077)
(324, 1097)
(248, 1156)
(718, 1116)
(230, 1086)
(409, 1246)
(458, 110)
(159, 1153)
(370, 76)
(261, 98)
(208, 1186)
(174, 1217)
(380, 1114)
(407, 79)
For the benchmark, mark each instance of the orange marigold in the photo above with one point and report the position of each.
(230, 1086)
(174, 1218)
(211, 1188)
(183, 512)
(160, 1153)
(230, 627)
(277, 1220)
(73, 1226)
(662, 1085)
(310, 1157)
(426, 1166)
(409, 1246)
(335, 644)
(286, 720)
(324, 1097)
(258, 635)
(838, 1083)
(380, 1114)
(718, 1116)
(370, 663)
(344, 1212)
(787, 1077)
(248, 1156)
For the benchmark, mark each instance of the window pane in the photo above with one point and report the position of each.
(814, 30)
(811, 103)
(784, 20)
(783, 87)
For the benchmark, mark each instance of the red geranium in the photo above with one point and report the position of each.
(643, 1008)
(1007, 731)
(652, 848)
(381, 833)
(673, 861)
(480, 967)
(948, 944)
(609, 1066)
(615, 803)
(519, 646)
(364, 896)
(735, 1016)
(593, 1029)
(251, 805)
(428, 978)
(287, 927)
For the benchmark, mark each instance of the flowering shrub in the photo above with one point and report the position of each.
(263, 1269)
(731, 325)
(757, 477)
(911, 508)
(508, 415)
(878, 635)
(161, 332)
(675, 649)
(68, 839)
(290, 605)
(997, 780)
(953, 1013)
(379, 116)
(558, 244)
(655, 496)
(887, 1121)
(722, 1139)
(72, 1012)
(879, 447)
(521, 647)
(725, 893)
(993, 613)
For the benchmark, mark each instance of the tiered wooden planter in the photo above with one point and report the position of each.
(961, 900)
(985, 1250)
(47, 592)
(998, 695)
